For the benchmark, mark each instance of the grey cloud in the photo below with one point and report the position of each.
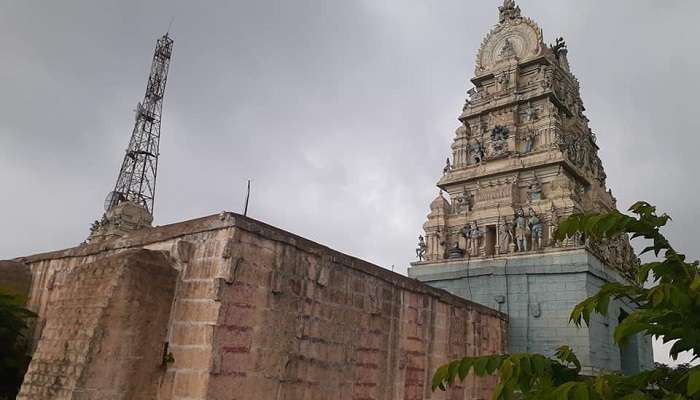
(341, 112)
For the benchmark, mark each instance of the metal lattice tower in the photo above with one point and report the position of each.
(137, 176)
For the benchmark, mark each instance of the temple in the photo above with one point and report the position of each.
(523, 158)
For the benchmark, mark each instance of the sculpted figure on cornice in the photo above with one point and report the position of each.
(536, 229)
(534, 190)
(477, 151)
(521, 230)
(420, 250)
(464, 202)
(506, 235)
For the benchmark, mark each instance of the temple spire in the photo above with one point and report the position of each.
(509, 10)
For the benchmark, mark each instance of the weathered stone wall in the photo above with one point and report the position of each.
(259, 313)
(104, 330)
(304, 322)
(538, 292)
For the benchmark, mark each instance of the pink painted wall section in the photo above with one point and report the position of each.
(304, 322)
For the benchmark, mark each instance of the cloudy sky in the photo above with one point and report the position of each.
(341, 112)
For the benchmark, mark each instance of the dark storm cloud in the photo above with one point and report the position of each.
(341, 112)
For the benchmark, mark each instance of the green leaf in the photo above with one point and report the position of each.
(581, 392)
(480, 366)
(452, 372)
(493, 364)
(439, 376)
(694, 381)
(562, 392)
(464, 367)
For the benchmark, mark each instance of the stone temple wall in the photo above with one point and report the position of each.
(257, 313)
(538, 292)
(103, 330)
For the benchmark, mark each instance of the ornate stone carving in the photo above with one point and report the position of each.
(507, 50)
(508, 11)
(529, 142)
(477, 152)
(507, 244)
(523, 119)
(448, 166)
(522, 230)
(499, 146)
(530, 113)
(534, 191)
(473, 234)
(420, 250)
(536, 228)
(518, 37)
(455, 252)
(464, 202)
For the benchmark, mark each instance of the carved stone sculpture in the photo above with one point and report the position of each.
(506, 236)
(536, 229)
(455, 252)
(477, 150)
(507, 50)
(530, 113)
(521, 230)
(529, 143)
(499, 134)
(95, 226)
(508, 11)
(523, 143)
(422, 247)
(464, 202)
(448, 166)
(534, 191)
(474, 239)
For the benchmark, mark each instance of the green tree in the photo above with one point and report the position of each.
(13, 343)
(670, 310)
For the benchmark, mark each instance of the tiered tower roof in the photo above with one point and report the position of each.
(523, 156)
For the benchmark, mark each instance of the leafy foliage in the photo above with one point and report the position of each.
(13, 344)
(670, 309)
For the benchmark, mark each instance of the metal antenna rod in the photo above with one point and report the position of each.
(170, 25)
(247, 198)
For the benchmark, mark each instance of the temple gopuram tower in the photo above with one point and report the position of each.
(524, 158)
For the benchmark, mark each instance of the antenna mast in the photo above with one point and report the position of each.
(137, 176)
(130, 205)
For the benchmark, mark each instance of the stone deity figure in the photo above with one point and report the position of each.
(448, 166)
(554, 223)
(529, 143)
(455, 252)
(537, 228)
(521, 230)
(534, 191)
(466, 232)
(464, 202)
(506, 236)
(504, 78)
(421, 249)
(477, 150)
(530, 113)
(474, 238)
(95, 226)
(499, 133)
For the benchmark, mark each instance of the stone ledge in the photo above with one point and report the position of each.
(229, 220)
